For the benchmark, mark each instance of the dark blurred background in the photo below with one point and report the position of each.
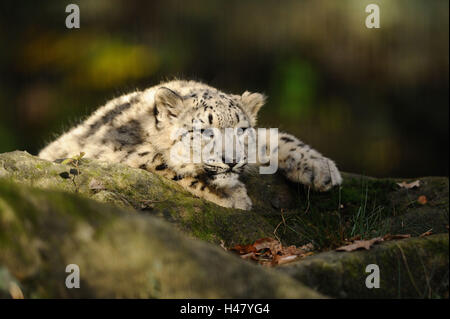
(375, 100)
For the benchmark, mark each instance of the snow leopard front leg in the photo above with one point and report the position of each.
(232, 190)
(231, 195)
(302, 164)
(299, 162)
(223, 189)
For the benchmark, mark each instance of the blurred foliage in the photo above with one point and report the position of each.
(102, 63)
(295, 88)
(374, 100)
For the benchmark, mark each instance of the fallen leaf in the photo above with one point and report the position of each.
(358, 244)
(15, 291)
(409, 185)
(265, 243)
(243, 249)
(247, 256)
(270, 252)
(398, 236)
(422, 199)
(308, 247)
(293, 250)
(427, 233)
(279, 260)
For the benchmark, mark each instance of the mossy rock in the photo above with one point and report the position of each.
(143, 191)
(408, 268)
(298, 215)
(120, 254)
(48, 219)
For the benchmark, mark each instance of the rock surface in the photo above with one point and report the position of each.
(408, 268)
(120, 254)
(272, 197)
(126, 249)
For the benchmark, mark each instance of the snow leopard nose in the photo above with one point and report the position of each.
(230, 163)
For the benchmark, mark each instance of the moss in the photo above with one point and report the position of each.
(305, 216)
(367, 207)
(363, 205)
(120, 253)
(411, 268)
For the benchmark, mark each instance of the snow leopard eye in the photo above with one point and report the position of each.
(242, 130)
(207, 132)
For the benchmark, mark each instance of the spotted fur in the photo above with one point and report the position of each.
(138, 128)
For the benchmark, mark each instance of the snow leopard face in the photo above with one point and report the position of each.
(205, 125)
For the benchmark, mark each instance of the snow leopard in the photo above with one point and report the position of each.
(137, 129)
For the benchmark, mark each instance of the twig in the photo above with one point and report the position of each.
(408, 270)
(282, 221)
(307, 200)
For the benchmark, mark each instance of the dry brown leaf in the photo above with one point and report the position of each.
(358, 244)
(244, 249)
(409, 185)
(422, 199)
(270, 252)
(307, 247)
(427, 233)
(247, 256)
(398, 236)
(279, 260)
(15, 291)
(265, 243)
(293, 250)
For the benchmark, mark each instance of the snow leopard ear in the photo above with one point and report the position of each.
(252, 103)
(168, 105)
